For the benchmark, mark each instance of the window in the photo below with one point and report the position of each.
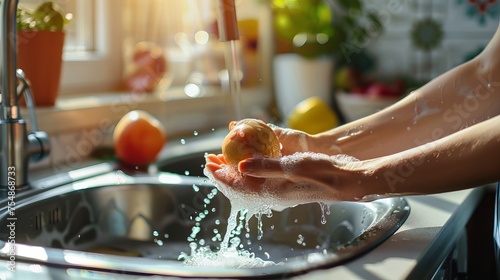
(81, 30)
(92, 44)
(102, 32)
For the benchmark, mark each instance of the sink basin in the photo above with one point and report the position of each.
(187, 157)
(139, 224)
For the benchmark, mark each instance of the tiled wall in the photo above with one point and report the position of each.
(457, 29)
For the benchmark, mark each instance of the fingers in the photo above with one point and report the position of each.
(222, 177)
(212, 167)
(218, 159)
(260, 167)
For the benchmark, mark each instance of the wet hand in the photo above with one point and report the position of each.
(294, 179)
(293, 141)
(216, 167)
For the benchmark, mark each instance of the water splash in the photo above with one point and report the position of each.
(231, 252)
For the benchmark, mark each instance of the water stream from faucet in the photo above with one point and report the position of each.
(234, 78)
(228, 33)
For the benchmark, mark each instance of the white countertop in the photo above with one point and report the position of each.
(413, 252)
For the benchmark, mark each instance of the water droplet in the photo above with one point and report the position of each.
(193, 246)
(408, 128)
(166, 235)
(155, 233)
(325, 210)
(300, 239)
(159, 242)
(183, 141)
(489, 85)
(213, 129)
(195, 133)
(186, 173)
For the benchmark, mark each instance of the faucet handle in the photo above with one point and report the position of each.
(38, 145)
(38, 141)
(24, 87)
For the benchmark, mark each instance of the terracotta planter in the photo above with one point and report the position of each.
(39, 54)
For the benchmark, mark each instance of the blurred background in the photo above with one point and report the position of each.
(355, 56)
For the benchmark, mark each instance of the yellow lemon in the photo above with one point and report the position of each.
(249, 138)
(312, 116)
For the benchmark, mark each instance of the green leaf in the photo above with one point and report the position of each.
(45, 17)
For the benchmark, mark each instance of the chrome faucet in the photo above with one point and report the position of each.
(17, 145)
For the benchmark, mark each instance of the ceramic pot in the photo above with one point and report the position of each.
(297, 78)
(39, 55)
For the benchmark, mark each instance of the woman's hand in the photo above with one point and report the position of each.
(293, 141)
(295, 179)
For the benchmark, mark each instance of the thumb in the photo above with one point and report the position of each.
(277, 129)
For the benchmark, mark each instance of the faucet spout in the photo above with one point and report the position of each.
(17, 145)
(8, 39)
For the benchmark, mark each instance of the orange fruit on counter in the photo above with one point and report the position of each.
(249, 138)
(138, 138)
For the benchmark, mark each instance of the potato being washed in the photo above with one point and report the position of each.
(249, 138)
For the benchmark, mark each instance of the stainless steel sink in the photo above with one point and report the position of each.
(187, 157)
(139, 224)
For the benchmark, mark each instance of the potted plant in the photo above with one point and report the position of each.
(310, 35)
(40, 42)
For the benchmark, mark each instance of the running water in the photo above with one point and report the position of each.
(231, 252)
(234, 78)
(243, 207)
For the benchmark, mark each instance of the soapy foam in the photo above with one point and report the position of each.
(288, 163)
(230, 257)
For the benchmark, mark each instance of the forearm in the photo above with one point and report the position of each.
(468, 158)
(459, 98)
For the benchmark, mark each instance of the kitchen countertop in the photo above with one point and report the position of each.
(415, 251)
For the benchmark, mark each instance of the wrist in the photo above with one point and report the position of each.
(325, 143)
(373, 180)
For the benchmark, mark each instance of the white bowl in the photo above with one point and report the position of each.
(356, 106)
